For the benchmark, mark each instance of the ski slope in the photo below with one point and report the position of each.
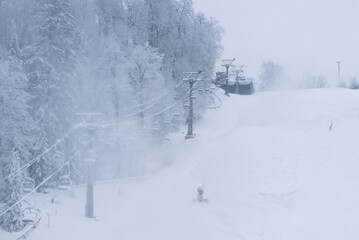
(269, 166)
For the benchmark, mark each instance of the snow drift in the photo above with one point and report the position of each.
(269, 165)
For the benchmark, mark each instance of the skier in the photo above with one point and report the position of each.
(200, 191)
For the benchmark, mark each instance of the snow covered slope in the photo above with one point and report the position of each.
(269, 166)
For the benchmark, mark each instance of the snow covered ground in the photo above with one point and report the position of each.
(269, 166)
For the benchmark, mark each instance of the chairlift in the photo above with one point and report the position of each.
(58, 157)
(28, 185)
(176, 114)
(30, 215)
(65, 182)
(84, 139)
(177, 96)
(108, 139)
(111, 140)
(91, 126)
(90, 156)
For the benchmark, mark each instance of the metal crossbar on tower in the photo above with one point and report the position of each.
(238, 70)
(227, 63)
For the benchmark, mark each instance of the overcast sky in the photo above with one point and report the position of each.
(301, 35)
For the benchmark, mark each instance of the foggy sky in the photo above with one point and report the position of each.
(301, 35)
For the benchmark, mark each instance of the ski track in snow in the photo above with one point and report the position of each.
(269, 166)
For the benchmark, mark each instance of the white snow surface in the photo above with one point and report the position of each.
(268, 164)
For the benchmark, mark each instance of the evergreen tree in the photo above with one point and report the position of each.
(117, 38)
(15, 122)
(50, 66)
(12, 220)
(15, 125)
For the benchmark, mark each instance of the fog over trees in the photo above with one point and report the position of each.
(120, 59)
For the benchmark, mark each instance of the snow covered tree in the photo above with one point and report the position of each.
(111, 16)
(50, 65)
(18, 11)
(114, 73)
(310, 81)
(145, 75)
(15, 122)
(12, 220)
(127, 52)
(270, 76)
(353, 83)
(15, 125)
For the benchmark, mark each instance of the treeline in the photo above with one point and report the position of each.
(111, 57)
(273, 77)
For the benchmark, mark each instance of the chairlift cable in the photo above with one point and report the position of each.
(42, 183)
(28, 164)
(153, 100)
(32, 191)
(154, 115)
(220, 100)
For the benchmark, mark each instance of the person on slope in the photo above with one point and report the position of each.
(200, 192)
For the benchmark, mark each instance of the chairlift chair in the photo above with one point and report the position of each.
(91, 126)
(28, 185)
(90, 156)
(155, 129)
(84, 139)
(176, 96)
(65, 183)
(108, 139)
(58, 157)
(111, 140)
(176, 114)
(30, 215)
